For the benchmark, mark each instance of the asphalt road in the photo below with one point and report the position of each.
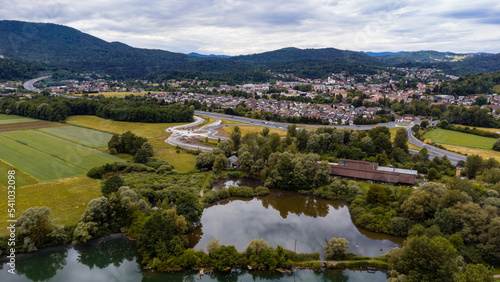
(29, 85)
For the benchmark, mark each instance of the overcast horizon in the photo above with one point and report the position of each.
(232, 27)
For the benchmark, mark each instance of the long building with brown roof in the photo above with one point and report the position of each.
(372, 171)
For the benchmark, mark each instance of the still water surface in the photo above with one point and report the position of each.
(114, 259)
(285, 218)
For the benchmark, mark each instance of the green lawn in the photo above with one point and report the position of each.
(87, 137)
(439, 135)
(182, 161)
(22, 178)
(67, 199)
(40, 165)
(148, 130)
(8, 119)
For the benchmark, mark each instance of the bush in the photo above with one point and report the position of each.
(241, 191)
(164, 168)
(112, 184)
(261, 191)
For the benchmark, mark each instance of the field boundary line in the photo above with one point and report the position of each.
(65, 139)
(39, 181)
(45, 153)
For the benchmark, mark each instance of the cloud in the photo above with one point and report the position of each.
(236, 27)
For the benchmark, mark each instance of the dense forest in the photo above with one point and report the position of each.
(470, 84)
(11, 69)
(138, 109)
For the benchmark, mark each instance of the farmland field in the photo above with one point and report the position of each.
(67, 198)
(29, 125)
(148, 130)
(46, 157)
(439, 135)
(486, 154)
(494, 130)
(87, 137)
(22, 178)
(7, 119)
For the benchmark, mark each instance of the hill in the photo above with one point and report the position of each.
(58, 46)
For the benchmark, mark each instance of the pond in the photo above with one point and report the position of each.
(114, 258)
(288, 219)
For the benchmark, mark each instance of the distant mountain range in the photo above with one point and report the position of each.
(60, 46)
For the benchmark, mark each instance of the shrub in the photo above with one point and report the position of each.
(261, 191)
(241, 191)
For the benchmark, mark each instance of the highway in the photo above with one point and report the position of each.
(29, 85)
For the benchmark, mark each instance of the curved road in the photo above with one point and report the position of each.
(453, 157)
(29, 85)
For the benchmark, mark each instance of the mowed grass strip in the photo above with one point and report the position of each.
(84, 136)
(251, 129)
(22, 178)
(8, 119)
(29, 125)
(439, 135)
(72, 153)
(148, 130)
(42, 166)
(67, 198)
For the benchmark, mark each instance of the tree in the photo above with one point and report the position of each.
(376, 194)
(220, 162)
(265, 131)
(473, 165)
(336, 248)
(424, 124)
(189, 206)
(226, 147)
(236, 137)
(205, 160)
(476, 272)
(144, 153)
(246, 161)
(496, 146)
(212, 246)
(432, 174)
(418, 206)
(112, 184)
(426, 259)
(35, 229)
(401, 139)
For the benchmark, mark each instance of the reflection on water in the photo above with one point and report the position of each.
(114, 259)
(283, 217)
(226, 182)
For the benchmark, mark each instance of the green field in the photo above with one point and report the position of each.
(182, 161)
(87, 137)
(148, 130)
(47, 157)
(439, 135)
(67, 199)
(22, 179)
(8, 119)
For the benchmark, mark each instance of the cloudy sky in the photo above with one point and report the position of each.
(234, 27)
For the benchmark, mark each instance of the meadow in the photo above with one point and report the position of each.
(449, 137)
(22, 178)
(148, 130)
(67, 199)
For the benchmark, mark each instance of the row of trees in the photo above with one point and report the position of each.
(134, 110)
